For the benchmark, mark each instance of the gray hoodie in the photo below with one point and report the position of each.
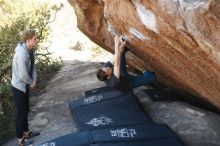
(21, 68)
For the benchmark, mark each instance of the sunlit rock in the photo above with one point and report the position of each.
(178, 39)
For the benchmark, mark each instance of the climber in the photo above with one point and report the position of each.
(114, 73)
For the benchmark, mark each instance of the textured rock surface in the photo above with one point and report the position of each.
(178, 39)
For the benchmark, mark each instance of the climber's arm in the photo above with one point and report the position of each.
(117, 56)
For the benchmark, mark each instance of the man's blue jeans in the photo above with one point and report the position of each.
(136, 81)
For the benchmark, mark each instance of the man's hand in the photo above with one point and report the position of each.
(119, 43)
(33, 85)
(122, 43)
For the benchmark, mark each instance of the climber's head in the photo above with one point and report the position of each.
(104, 73)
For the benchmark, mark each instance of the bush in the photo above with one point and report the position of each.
(6, 112)
(15, 17)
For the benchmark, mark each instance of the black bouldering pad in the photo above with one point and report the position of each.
(104, 89)
(100, 96)
(97, 90)
(120, 111)
(136, 135)
(132, 133)
(170, 141)
(74, 139)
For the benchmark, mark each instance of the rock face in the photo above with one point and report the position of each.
(178, 39)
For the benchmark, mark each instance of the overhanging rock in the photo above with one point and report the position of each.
(179, 40)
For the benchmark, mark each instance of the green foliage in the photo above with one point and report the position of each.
(97, 50)
(15, 17)
(47, 67)
(6, 111)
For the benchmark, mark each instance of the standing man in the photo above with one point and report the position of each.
(24, 77)
(114, 73)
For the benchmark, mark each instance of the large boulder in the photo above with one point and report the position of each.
(178, 39)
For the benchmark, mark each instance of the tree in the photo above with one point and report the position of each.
(15, 17)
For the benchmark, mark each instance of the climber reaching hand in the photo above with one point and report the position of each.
(114, 73)
(119, 49)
